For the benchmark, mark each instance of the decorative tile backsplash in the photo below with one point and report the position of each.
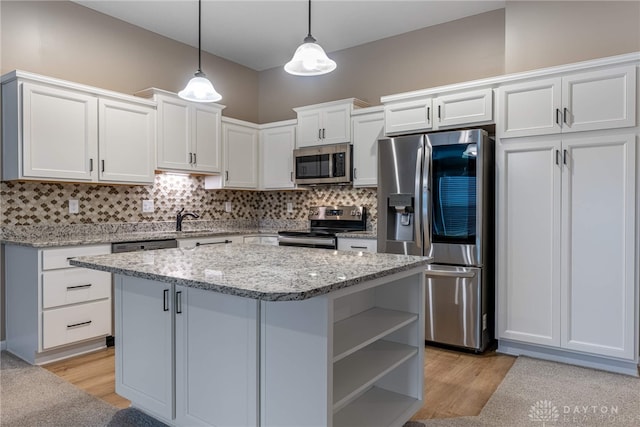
(40, 203)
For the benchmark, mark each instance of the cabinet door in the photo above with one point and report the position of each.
(531, 108)
(59, 133)
(336, 124)
(174, 134)
(409, 116)
(276, 147)
(366, 131)
(240, 156)
(464, 108)
(127, 142)
(528, 286)
(598, 249)
(309, 128)
(602, 99)
(216, 367)
(144, 349)
(206, 142)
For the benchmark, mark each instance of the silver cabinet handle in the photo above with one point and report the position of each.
(557, 157)
(428, 114)
(565, 116)
(226, 175)
(558, 116)
(190, 158)
(102, 161)
(90, 165)
(442, 273)
(79, 286)
(195, 158)
(358, 247)
(291, 173)
(323, 133)
(319, 133)
(165, 300)
(355, 174)
(179, 302)
(564, 157)
(75, 325)
(439, 112)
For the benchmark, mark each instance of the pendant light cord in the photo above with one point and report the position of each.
(309, 35)
(200, 35)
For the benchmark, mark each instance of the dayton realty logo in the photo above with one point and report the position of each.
(544, 411)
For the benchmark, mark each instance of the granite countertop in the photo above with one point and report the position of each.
(359, 235)
(44, 241)
(270, 273)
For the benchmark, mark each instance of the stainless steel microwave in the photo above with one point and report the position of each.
(323, 164)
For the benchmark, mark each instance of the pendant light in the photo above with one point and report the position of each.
(309, 58)
(199, 88)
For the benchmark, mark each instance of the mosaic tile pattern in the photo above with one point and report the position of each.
(46, 204)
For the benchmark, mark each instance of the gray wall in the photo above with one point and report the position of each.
(68, 41)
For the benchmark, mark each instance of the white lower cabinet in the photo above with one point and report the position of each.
(56, 311)
(212, 380)
(567, 243)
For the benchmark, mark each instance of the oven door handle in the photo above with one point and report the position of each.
(307, 240)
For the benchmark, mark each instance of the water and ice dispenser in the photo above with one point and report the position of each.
(400, 217)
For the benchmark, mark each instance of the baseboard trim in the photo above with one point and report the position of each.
(555, 355)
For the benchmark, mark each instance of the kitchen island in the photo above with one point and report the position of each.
(250, 335)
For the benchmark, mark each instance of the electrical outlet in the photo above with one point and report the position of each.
(227, 206)
(289, 207)
(147, 206)
(74, 206)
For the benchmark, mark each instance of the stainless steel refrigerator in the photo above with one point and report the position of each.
(436, 198)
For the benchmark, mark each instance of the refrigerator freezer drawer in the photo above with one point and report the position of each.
(454, 306)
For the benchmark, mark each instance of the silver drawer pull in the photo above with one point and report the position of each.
(75, 325)
(79, 287)
(358, 247)
(69, 258)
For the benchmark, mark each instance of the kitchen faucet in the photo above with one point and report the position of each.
(180, 216)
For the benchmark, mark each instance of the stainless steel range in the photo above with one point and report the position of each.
(324, 223)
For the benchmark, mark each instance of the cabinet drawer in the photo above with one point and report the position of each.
(59, 257)
(66, 325)
(74, 285)
(366, 245)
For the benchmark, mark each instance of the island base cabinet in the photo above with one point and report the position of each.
(212, 381)
(353, 357)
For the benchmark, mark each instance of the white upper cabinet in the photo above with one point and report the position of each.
(126, 142)
(240, 151)
(62, 131)
(189, 133)
(367, 128)
(277, 143)
(328, 123)
(602, 99)
(439, 112)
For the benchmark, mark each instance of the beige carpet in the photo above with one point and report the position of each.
(31, 396)
(545, 394)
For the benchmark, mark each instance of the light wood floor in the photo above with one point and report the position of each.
(456, 384)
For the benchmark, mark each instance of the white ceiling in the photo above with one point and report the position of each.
(262, 34)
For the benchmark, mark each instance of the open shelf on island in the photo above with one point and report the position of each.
(376, 407)
(356, 332)
(359, 371)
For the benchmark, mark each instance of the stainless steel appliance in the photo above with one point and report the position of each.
(322, 164)
(324, 223)
(435, 198)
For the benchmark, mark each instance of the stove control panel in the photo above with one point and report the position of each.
(336, 213)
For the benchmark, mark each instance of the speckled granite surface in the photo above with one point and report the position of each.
(271, 273)
(359, 235)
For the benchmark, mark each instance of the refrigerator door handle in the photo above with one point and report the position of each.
(417, 210)
(425, 207)
(442, 273)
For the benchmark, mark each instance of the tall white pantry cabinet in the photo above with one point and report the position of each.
(567, 209)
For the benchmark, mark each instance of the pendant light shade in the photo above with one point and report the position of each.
(309, 58)
(199, 88)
